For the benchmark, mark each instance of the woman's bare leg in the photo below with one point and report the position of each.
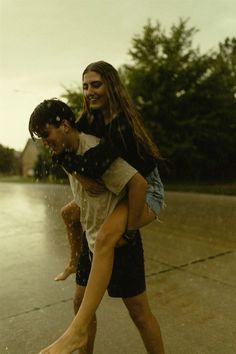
(88, 345)
(71, 216)
(78, 297)
(109, 233)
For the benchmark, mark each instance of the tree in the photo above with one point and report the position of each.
(9, 161)
(44, 168)
(187, 99)
(74, 97)
(180, 95)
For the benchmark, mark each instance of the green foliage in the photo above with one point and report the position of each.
(9, 161)
(74, 97)
(187, 99)
(44, 169)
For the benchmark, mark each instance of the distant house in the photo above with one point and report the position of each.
(29, 157)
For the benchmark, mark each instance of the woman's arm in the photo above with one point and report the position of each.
(92, 164)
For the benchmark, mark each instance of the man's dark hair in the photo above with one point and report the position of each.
(51, 111)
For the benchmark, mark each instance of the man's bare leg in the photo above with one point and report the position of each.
(146, 323)
(71, 216)
(111, 231)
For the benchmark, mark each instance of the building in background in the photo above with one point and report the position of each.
(29, 157)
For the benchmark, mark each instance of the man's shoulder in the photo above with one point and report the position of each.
(118, 175)
(87, 141)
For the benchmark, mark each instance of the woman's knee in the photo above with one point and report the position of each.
(111, 231)
(107, 237)
(70, 213)
(103, 241)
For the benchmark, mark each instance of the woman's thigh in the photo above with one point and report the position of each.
(116, 223)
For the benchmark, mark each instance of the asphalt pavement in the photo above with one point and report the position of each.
(190, 271)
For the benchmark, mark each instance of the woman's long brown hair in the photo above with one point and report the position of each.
(120, 101)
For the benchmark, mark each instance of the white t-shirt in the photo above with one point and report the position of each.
(95, 209)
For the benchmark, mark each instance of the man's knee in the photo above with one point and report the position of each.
(140, 318)
(76, 304)
(139, 312)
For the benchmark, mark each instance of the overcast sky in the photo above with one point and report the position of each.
(46, 44)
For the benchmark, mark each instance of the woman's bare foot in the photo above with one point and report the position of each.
(66, 344)
(70, 269)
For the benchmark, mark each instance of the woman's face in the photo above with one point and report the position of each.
(95, 91)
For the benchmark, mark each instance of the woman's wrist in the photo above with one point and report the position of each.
(130, 235)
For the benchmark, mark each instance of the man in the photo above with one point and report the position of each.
(54, 122)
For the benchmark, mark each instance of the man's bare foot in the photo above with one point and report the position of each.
(66, 344)
(70, 269)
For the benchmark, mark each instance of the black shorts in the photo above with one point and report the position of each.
(128, 275)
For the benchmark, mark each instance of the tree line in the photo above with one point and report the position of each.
(187, 100)
(9, 161)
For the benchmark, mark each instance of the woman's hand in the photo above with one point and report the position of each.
(92, 187)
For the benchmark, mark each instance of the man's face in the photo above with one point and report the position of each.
(55, 138)
(95, 91)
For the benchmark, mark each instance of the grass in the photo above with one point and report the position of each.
(203, 187)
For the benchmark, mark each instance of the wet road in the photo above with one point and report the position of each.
(190, 270)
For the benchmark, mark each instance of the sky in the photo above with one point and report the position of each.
(46, 44)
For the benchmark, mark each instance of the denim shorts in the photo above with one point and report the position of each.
(128, 274)
(155, 192)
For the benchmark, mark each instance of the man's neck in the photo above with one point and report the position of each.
(74, 141)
